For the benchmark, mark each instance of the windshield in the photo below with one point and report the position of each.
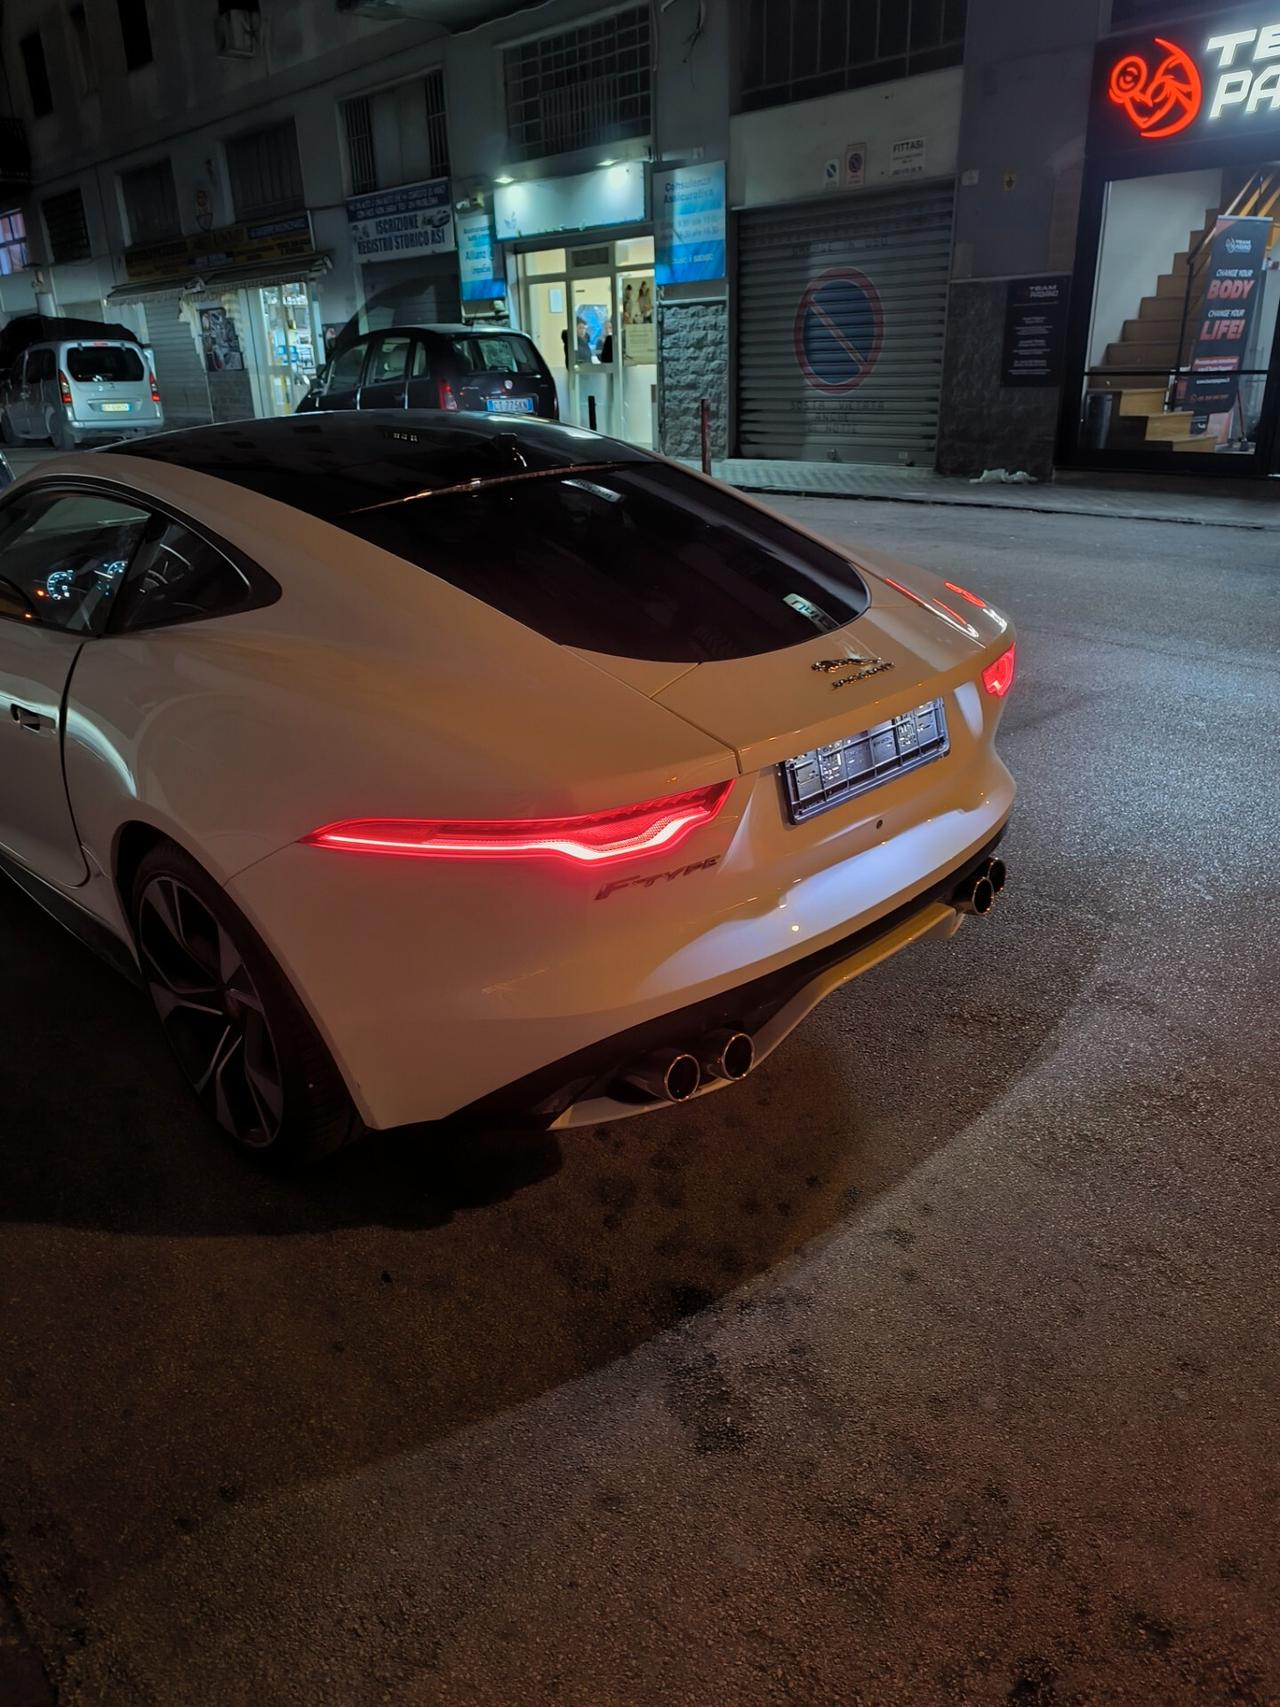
(638, 560)
(104, 361)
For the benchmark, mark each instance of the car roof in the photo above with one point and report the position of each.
(328, 464)
(448, 329)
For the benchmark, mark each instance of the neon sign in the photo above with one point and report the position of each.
(1163, 87)
(1160, 100)
(1241, 86)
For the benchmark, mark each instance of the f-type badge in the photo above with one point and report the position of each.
(852, 669)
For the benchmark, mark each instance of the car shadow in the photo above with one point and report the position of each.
(235, 1332)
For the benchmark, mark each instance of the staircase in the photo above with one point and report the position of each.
(1150, 341)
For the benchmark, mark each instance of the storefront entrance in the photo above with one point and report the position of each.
(281, 320)
(590, 311)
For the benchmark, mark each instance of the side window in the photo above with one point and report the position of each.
(42, 365)
(496, 355)
(389, 361)
(176, 577)
(63, 556)
(421, 360)
(344, 370)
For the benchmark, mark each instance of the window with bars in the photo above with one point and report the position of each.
(358, 117)
(580, 88)
(67, 226)
(13, 242)
(795, 49)
(265, 172)
(150, 202)
(33, 63)
(82, 48)
(437, 128)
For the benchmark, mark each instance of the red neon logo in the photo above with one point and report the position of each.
(1158, 102)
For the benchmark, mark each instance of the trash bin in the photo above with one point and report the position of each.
(1098, 406)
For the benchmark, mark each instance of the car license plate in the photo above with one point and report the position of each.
(509, 405)
(116, 408)
(826, 776)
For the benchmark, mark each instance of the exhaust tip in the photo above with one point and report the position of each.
(682, 1077)
(996, 874)
(728, 1055)
(983, 898)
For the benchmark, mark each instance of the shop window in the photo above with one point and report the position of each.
(265, 172)
(1185, 302)
(82, 48)
(68, 230)
(580, 88)
(793, 50)
(33, 62)
(135, 33)
(150, 202)
(13, 242)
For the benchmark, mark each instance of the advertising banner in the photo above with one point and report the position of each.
(229, 246)
(415, 219)
(1232, 282)
(478, 267)
(1035, 321)
(688, 223)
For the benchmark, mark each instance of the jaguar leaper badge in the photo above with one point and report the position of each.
(852, 669)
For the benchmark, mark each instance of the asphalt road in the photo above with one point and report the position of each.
(936, 1364)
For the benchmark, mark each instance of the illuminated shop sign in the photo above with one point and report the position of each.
(1218, 79)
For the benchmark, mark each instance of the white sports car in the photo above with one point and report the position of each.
(426, 768)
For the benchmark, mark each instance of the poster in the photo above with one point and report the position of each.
(220, 341)
(415, 219)
(478, 268)
(688, 218)
(1220, 344)
(1035, 326)
(907, 157)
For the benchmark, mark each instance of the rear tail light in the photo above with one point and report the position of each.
(155, 389)
(591, 839)
(447, 399)
(997, 677)
(64, 386)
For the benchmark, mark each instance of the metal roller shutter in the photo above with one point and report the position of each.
(180, 373)
(841, 310)
(410, 293)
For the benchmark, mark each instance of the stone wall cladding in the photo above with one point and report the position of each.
(983, 424)
(695, 364)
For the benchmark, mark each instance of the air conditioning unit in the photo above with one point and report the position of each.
(237, 33)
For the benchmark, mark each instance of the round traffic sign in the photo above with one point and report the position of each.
(839, 330)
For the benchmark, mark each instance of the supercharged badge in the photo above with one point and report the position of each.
(852, 669)
(648, 879)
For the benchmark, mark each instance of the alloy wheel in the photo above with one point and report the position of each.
(211, 1011)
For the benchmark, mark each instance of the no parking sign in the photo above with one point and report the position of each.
(839, 330)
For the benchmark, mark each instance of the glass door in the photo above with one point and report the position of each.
(591, 347)
(288, 348)
(638, 371)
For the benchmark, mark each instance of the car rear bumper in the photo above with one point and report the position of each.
(438, 985)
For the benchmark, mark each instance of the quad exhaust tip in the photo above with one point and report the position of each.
(672, 1074)
(727, 1055)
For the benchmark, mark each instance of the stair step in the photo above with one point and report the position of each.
(1146, 356)
(1161, 311)
(1205, 444)
(1142, 401)
(1174, 425)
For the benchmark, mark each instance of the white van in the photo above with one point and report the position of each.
(80, 389)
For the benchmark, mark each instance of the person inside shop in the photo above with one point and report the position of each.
(582, 349)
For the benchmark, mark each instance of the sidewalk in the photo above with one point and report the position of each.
(1132, 497)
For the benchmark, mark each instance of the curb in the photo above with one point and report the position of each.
(959, 501)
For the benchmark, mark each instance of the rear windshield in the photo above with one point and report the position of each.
(638, 560)
(491, 354)
(104, 361)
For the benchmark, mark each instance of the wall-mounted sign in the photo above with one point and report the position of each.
(839, 330)
(611, 195)
(478, 269)
(1208, 79)
(1232, 282)
(855, 165)
(907, 157)
(1035, 322)
(229, 246)
(688, 223)
(396, 225)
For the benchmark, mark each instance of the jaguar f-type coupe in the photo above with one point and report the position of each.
(462, 769)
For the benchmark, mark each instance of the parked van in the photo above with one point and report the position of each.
(70, 390)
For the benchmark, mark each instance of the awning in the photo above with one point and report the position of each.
(217, 279)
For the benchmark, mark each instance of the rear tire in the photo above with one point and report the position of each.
(245, 1043)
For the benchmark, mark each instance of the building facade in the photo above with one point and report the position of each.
(960, 233)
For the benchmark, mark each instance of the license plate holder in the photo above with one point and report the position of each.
(813, 782)
(509, 405)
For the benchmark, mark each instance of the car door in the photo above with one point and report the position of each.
(429, 384)
(386, 370)
(342, 382)
(63, 555)
(20, 396)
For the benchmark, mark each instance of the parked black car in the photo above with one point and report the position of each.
(437, 367)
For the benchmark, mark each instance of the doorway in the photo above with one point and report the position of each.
(590, 311)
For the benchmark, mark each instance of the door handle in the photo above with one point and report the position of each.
(25, 718)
